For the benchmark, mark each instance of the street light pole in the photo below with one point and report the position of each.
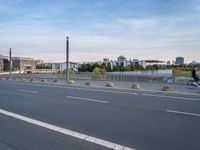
(10, 64)
(67, 60)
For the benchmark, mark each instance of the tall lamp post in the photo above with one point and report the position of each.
(10, 65)
(67, 60)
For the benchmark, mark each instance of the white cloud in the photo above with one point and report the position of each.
(139, 22)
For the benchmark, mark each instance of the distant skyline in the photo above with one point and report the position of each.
(144, 29)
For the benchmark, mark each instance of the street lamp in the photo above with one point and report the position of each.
(67, 60)
(10, 65)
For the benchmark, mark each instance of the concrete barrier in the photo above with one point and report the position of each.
(109, 84)
(135, 86)
(43, 81)
(167, 88)
(55, 81)
(32, 80)
(88, 83)
(71, 82)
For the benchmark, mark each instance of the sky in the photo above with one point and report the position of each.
(137, 29)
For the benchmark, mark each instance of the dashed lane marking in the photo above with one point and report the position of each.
(87, 99)
(183, 113)
(27, 91)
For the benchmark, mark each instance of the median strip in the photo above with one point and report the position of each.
(87, 99)
(26, 91)
(71, 133)
(183, 113)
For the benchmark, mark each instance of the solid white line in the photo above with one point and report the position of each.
(183, 113)
(26, 91)
(172, 97)
(67, 132)
(88, 99)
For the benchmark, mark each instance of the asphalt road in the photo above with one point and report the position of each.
(89, 118)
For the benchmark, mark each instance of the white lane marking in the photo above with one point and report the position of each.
(172, 97)
(27, 91)
(75, 134)
(88, 99)
(183, 113)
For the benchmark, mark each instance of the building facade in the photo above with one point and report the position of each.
(56, 66)
(123, 62)
(1, 65)
(4, 63)
(179, 61)
(24, 64)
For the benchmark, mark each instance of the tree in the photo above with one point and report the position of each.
(83, 68)
(98, 71)
(116, 68)
(71, 72)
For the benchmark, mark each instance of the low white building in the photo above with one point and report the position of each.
(123, 62)
(145, 63)
(62, 65)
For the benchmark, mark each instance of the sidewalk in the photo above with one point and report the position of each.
(179, 88)
(124, 85)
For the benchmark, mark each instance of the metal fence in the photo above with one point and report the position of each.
(91, 76)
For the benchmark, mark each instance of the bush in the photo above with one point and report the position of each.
(98, 71)
(71, 72)
(59, 72)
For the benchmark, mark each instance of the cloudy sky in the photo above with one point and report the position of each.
(142, 29)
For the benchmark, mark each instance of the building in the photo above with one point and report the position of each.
(179, 61)
(1, 64)
(145, 63)
(193, 63)
(56, 66)
(24, 64)
(123, 62)
(4, 63)
(168, 63)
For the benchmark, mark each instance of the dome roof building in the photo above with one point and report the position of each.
(121, 58)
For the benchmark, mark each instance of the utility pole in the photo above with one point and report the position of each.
(67, 60)
(10, 64)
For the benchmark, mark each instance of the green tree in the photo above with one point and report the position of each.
(116, 68)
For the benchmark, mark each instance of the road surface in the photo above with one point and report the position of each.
(46, 117)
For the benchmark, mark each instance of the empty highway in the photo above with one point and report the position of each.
(47, 117)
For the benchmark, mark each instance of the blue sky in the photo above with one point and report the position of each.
(143, 29)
